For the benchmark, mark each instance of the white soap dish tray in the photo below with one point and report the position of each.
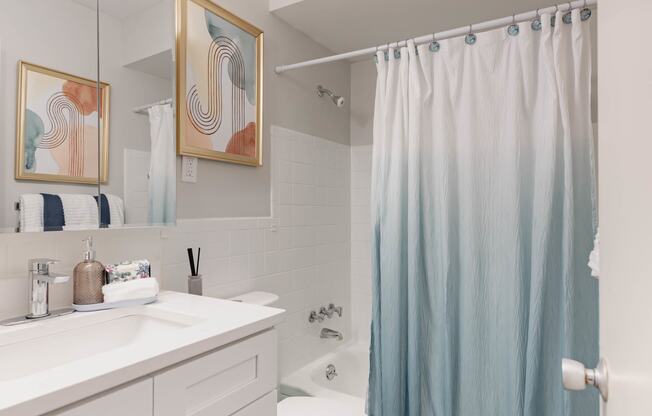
(114, 305)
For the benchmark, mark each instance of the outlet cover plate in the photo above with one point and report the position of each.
(189, 169)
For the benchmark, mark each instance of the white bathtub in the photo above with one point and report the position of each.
(349, 386)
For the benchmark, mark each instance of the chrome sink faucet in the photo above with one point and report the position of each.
(40, 279)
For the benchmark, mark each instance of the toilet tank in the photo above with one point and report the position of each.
(257, 298)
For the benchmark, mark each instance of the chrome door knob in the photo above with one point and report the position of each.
(576, 376)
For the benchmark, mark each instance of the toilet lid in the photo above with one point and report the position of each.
(313, 406)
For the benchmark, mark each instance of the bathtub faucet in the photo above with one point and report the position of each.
(329, 333)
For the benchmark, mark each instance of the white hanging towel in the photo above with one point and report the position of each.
(80, 211)
(594, 257)
(117, 208)
(31, 213)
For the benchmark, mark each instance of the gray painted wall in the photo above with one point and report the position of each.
(363, 92)
(290, 100)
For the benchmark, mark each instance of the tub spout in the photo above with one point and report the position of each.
(329, 333)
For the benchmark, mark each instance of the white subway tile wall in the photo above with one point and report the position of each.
(302, 253)
(113, 246)
(361, 242)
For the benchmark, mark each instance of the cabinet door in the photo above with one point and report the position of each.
(132, 400)
(265, 406)
(220, 382)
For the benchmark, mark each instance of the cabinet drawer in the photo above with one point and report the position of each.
(265, 406)
(221, 382)
(132, 400)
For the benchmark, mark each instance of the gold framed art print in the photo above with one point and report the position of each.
(219, 84)
(58, 131)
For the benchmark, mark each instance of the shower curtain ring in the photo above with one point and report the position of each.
(553, 19)
(585, 14)
(434, 45)
(568, 17)
(397, 50)
(386, 52)
(536, 22)
(471, 38)
(513, 29)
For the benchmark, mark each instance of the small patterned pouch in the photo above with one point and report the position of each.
(128, 270)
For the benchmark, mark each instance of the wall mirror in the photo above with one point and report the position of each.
(78, 153)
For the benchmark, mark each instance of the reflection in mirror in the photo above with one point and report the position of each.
(136, 59)
(48, 115)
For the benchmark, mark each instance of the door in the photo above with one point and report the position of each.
(625, 183)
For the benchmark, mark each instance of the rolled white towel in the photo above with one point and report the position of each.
(117, 209)
(80, 211)
(129, 290)
(31, 213)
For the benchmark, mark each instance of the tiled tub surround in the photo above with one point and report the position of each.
(302, 253)
(361, 242)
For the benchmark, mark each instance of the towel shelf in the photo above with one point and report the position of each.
(114, 305)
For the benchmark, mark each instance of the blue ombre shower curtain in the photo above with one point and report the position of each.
(483, 213)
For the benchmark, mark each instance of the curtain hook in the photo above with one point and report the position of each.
(376, 55)
(585, 14)
(397, 50)
(536, 22)
(553, 19)
(471, 38)
(568, 17)
(434, 45)
(513, 29)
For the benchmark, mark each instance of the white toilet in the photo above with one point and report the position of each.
(297, 406)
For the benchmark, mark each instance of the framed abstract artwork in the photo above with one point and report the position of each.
(219, 84)
(58, 131)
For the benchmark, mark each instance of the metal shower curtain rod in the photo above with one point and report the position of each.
(143, 109)
(479, 27)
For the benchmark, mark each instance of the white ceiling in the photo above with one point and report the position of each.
(345, 25)
(119, 9)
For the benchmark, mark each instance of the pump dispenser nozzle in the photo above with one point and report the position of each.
(89, 254)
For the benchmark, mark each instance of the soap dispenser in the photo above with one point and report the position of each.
(88, 277)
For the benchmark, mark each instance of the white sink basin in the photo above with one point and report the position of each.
(51, 343)
(49, 364)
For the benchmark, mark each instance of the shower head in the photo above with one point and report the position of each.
(338, 100)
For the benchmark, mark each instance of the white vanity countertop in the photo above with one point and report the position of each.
(127, 344)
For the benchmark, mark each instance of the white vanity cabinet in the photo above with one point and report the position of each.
(221, 382)
(238, 379)
(135, 399)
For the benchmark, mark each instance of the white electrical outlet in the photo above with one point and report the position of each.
(189, 169)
